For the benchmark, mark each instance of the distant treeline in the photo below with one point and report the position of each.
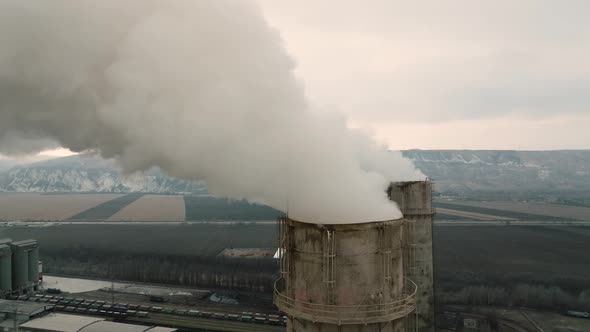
(520, 295)
(258, 275)
(472, 264)
(214, 272)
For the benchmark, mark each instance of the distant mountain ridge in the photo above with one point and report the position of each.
(484, 174)
(84, 173)
(487, 174)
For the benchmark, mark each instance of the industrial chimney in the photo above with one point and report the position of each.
(414, 199)
(343, 277)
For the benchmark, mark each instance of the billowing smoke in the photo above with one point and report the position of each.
(203, 89)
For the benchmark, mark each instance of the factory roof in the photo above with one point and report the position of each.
(4, 249)
(23, 308)
(160, 329)
(24, 245)
(61, 322)
(74, 323)
(106, 326)
(24, 242)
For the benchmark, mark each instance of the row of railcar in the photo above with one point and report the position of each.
(123, 310)
(116, 313)
(92, 307)
(243, 317)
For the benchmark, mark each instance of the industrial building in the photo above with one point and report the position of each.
(74, 323)
(27, 316)
(19, 267)
(13, 313)
(371, 276)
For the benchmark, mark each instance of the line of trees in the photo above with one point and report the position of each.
(215, 272)
(258, 275)
(523, 295)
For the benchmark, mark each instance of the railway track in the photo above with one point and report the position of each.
(203, 323)
(532, 321)
(501, 321)
(177, 317)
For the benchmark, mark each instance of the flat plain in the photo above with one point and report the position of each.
(153, 208)
(452, 207)
(545, 209)
(492, 255)
(192, 240)
(33, 207)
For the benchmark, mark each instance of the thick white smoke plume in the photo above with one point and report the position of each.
(201, 88)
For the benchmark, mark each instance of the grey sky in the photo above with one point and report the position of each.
(456, 74)
(462, 70)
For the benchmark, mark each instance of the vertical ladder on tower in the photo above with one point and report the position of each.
(282, 250)
(329, 256)
(385, 247)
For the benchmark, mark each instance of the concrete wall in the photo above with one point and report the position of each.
(343, 277)
(20, 269)
(5, 268)
(22, 253)
(415, 202)
(299, 325)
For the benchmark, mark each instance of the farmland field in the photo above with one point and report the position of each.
(152, 208)
(211, 208)
(458, 214)
(509, 255)
(485, 211)
(508, 258)
(463, 254)
(129, 207)
(31, 206)
(205, 240)
(545, 209)
(107, 209)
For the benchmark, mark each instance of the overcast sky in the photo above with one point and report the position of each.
(461, 74)
(449, 74)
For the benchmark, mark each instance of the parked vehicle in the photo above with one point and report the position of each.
(217, 315)
(168, 310)
(260, 320)
(157, 299)
(579, 314)
(53, 291)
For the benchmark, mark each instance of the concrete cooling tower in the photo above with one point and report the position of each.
(415, 201)
(365, 277)
(343, 277)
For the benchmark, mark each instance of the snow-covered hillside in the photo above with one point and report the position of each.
(476, 174)
(512, 174)
(89, 174)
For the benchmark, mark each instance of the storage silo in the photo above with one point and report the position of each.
(34, 265)
(343, 277)
(5, 268)
(414, 199)
(21, 253)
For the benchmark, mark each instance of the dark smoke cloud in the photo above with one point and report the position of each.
(202, 89)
